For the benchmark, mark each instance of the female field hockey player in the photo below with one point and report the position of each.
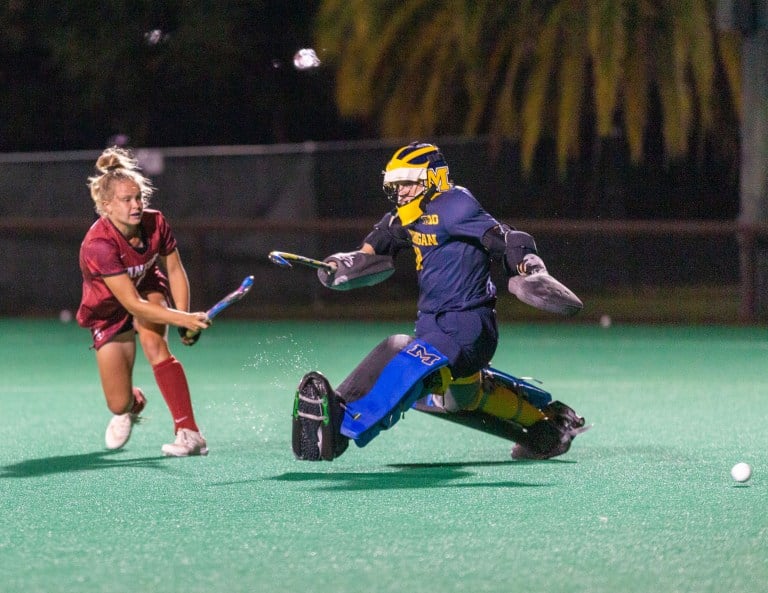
(135, 284)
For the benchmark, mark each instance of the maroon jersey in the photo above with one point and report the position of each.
(106, 252)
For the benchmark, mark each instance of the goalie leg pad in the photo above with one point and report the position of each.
(317, 414)
(475, 419)
(545, 439)
(535, 395)
(549, 437)
(542, 437)
(402, 381)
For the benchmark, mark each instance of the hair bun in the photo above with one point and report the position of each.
(111, 160)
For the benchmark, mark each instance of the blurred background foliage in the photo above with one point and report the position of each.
(578, 72)
(600, 94)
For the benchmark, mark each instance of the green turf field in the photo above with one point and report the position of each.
(642, 503)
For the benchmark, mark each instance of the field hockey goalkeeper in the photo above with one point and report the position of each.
(444, 368)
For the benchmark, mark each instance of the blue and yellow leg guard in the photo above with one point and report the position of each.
(535, 395)
(485, 422)
(402, 381)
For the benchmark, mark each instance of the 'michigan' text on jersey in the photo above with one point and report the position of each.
(452, 264)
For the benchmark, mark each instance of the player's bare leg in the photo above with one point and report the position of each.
(115, 362)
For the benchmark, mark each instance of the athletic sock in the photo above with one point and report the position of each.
(172, 381)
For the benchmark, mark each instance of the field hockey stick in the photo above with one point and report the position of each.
(284, 259)
(228, 300)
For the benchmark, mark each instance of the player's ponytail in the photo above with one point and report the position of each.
(116, 163)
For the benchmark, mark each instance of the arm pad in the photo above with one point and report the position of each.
(528, 277)
(355, 270)
(502, 241)
(388, 236)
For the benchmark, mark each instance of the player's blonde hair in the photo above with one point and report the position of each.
(113, 164)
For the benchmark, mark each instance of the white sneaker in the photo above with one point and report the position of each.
(120, 427)
(188, 442)
(118, 430)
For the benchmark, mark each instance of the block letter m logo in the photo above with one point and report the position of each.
(438, 178)
(419, 351)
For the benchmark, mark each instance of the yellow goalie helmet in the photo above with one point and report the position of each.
(416, 163)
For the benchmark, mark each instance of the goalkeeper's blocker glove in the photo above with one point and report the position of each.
(355, 269)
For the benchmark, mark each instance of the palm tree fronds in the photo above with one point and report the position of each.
(523, 69)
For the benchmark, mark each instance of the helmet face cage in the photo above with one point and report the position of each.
(390, 190)
(415, 163)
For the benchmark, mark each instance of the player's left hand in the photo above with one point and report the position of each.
(186, 339)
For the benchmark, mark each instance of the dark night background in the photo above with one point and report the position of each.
(75, 75)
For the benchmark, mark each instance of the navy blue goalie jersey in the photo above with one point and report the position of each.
(452, 264)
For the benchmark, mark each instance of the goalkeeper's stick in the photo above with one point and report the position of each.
(284, 259)
(228, 300)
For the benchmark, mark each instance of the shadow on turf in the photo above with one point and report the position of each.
(410, 475)
(60, 464)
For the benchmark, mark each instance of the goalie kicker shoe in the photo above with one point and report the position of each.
(553, 435)
(120, 427)
(317, 416)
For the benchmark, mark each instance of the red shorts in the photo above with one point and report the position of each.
(104, 330)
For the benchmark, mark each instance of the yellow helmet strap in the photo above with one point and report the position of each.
(410, 212)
